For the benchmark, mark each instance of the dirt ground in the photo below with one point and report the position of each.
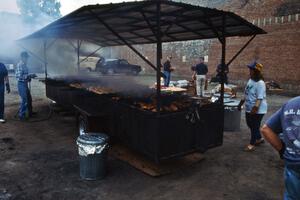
(39, 160)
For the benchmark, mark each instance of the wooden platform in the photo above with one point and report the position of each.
(149, 167)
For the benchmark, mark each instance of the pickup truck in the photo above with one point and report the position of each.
(117, 66)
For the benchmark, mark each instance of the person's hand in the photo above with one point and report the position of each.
(239, 107)
(254, 110)
(194, 77)
(31, 76)
(7, 88)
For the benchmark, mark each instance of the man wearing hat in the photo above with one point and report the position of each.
(23, 78)
(255, 103)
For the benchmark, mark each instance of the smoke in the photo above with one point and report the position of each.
(13, 29)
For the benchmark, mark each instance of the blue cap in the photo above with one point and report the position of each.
(256, 66)
(252, 65)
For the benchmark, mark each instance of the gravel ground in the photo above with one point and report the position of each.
(39, 161)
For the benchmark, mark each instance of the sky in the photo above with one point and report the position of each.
(67, 6)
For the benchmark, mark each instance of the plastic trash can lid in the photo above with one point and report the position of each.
(93, 139)
(232, 103)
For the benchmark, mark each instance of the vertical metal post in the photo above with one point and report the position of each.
(78, 55)
(158, 57)
(45, 59)
(223, 64)
(223, 68)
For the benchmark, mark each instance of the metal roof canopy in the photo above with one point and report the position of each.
(136, 23)
(146, 22)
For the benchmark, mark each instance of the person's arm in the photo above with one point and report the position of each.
(194, 76)
(271, 130)
(241, 103)
(6, 81)
(271, 137)
(260, 92)
(256, 106)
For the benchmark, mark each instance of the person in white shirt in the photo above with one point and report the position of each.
(255, 104)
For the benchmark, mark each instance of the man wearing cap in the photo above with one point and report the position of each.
(255, 104)
(23, 78)
(4, 82)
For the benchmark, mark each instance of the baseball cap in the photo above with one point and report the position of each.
(255, 65)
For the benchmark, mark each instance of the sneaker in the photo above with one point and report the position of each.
(2, 121)
(249, 148)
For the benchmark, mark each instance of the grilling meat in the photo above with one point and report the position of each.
(169, 103)
(100, 90)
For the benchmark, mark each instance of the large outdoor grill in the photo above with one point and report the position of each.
(185, 129)
(166, 129)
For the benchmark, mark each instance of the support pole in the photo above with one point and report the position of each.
(45, 59)
(124, 41)
(33, 54)
(158, 57)
(223, 68)
(223, 42)
(78, 55)
(91, 54)
(240, 51)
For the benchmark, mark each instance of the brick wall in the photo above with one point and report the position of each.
(278, 50)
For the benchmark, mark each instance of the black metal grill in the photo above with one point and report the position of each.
(158, 136)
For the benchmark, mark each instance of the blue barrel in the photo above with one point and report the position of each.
(92, 149)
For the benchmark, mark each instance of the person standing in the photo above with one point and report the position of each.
(255, 104)
(23, 78)
(200, 74)
(287, 121)
(167, 71)
(219, 73)
(4, 83)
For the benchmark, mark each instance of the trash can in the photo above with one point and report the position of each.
(92, 149)
(232, 116)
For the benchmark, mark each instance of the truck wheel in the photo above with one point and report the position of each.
(110, 71)
(135, 73)
(88, 69)
(82, 125)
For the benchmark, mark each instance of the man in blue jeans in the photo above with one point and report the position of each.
(3, 83)
(167, 71)
(287, 121)
(23, 79)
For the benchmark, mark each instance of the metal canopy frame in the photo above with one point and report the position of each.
(146, 22)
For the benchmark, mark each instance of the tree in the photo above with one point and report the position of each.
(35, 10)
